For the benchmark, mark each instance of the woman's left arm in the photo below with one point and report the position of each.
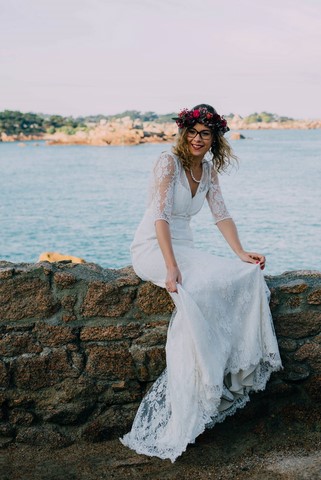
(229, 231)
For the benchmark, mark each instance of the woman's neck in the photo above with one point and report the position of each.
(197, 162)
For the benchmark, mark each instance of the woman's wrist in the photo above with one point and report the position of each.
(171, 265)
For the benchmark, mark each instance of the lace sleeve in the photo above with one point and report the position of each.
(162, 191)
(215, 198)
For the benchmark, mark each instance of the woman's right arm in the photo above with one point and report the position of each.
(165, 243)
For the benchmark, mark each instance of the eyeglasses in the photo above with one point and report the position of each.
(204, 134)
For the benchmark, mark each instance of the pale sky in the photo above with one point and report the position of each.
(80, 57)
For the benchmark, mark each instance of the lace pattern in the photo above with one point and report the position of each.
(168, 171)
(215, 198)
(162, 189)
(148, 435)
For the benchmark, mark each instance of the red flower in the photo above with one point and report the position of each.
(209, 115)
(196, 113)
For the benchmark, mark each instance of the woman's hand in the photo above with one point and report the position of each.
(253, 257)
(173, 277)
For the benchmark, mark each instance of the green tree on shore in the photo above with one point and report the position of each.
(15, 123)
(265, 117)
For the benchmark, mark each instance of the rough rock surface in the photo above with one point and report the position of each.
(119, 132)
(79, 346)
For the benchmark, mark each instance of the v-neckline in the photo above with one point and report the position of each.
(189, 186)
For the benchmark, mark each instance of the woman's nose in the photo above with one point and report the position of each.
(198, 135)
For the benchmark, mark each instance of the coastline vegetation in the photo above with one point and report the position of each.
(14, 122)
(266, 117)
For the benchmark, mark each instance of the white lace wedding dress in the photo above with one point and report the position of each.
(221, 343)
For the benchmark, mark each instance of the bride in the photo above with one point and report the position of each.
(221, 343)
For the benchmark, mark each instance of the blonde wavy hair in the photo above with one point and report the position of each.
(223, 155)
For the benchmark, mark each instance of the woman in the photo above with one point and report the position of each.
(221, 343)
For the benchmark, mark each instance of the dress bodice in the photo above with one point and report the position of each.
(171, 199)
(184, 204)
(171, 194)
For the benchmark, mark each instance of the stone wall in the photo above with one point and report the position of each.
(79, 346)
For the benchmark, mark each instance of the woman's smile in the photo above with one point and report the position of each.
(197, 146)
(198, 149)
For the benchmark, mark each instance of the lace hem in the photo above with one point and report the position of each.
(145, 439)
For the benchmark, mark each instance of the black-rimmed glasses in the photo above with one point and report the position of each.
(204, 134)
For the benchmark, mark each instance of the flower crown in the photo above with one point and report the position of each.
(188, 118)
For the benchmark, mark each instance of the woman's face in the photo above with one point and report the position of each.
(199, 139)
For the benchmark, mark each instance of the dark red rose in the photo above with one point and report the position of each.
(196, 113)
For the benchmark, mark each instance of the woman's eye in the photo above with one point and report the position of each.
(205, 135)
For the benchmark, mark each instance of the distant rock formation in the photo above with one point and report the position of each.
(126, 131)
(134, 132)
(239, 123)
(119, 132)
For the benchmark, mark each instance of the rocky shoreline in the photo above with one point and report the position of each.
(125, 131)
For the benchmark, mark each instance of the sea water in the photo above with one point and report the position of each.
(87, 201)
